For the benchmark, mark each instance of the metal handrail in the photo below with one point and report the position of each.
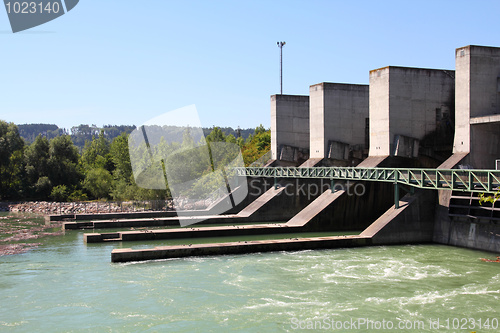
(469, 180)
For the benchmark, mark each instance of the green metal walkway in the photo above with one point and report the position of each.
(467, 180)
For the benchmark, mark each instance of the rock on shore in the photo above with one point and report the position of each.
(55, 208)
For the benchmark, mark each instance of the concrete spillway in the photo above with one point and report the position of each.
(314, 208)
(310, 163)
(260, 202)
(173, 220)
(452, 161)
(371, 161)
(396, 225)
(301, 219)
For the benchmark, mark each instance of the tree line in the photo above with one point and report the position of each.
(83, 133)
(55, 168)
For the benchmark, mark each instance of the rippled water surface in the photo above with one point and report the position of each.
(67, 286)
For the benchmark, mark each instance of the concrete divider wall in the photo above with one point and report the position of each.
(290, 127)
(407, 101)
(338, 113)
(477, 95)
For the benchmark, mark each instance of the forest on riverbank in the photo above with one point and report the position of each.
(82, 133)
(53, 167)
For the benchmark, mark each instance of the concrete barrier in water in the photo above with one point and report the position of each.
(189, 232)
(294, 244)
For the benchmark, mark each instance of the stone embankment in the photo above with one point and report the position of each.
(53, 208)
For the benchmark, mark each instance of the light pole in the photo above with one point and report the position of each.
(280, 45)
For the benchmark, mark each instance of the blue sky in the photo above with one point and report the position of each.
(125, 62)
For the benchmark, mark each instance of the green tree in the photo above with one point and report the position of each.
(59, 193)
(257, 145)
(42, 187)
(187, 139)
(36, 157)
(98, 182)
(11, 164)
(96, 154)
(123, 181)
(120, 157)
(63, 162)
(231, 139)
(216, 135)
(51, 164)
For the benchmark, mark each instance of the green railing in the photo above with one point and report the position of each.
(483, 181)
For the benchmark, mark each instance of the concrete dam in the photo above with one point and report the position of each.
(400, 161)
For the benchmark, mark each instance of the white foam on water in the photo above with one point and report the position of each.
(433, 296)
(273, 303)
(13, 324)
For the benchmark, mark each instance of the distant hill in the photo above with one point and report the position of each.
(79, 134)
(82, 133)
(30, 131)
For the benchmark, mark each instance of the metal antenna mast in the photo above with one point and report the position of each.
(280, 45)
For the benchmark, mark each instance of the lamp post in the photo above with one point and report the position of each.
(280, 45)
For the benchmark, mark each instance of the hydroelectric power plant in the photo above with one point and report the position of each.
(380, 176)
(401, 160)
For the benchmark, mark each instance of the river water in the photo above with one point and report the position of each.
(65, 285)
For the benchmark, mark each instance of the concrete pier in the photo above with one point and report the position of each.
(196, 232)
(289, 129)
(110, 216)
(295, 244)
(338, 118)
(406, 104)
(477, 102)
(141, 223)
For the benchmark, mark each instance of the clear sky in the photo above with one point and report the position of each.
(125, 62)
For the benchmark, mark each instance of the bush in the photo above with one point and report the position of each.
(59, 193)
(43, 187)
(98, 182)
(78, 195)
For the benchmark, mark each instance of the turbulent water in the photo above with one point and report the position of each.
(67, 286)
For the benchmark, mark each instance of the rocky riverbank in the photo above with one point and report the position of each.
(58, 208)
(19, 230)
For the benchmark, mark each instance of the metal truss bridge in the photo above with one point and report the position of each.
(467, 180)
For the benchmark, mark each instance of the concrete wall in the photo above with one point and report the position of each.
(337, 113)
(464, 233)
(413, 222)
(405, 101)
(289, 122)
(477, 94)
